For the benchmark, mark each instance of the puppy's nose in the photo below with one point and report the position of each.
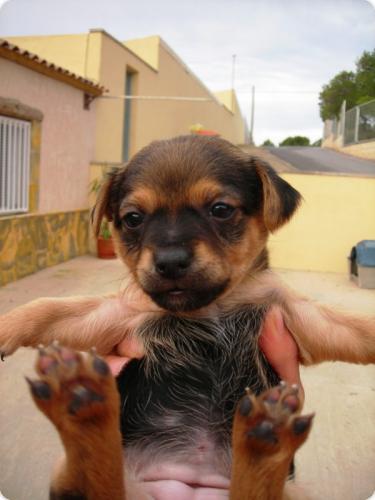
(172, 262)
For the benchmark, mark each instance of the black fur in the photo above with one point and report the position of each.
(193, 375)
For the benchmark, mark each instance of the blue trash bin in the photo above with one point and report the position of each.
(362, 264)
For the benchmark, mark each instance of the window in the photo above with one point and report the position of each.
(14, 165)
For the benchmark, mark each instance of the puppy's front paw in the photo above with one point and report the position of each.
(73, 388)
(271, 423)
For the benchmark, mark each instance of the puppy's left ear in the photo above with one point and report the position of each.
(102, 206)
(280, 199)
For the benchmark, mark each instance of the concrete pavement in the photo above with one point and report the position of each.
(312, 160)
(337, 462)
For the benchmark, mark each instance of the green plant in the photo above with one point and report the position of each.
(105, 230)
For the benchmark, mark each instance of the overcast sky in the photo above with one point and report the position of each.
(287, 48)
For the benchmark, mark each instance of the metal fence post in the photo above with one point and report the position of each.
(356, 126)
(342, 120)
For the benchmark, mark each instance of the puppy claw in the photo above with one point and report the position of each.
(2, 356)
(55, 345)
(39, 389)
(41, 350)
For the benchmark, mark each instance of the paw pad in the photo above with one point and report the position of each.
(71, 384)
(272, 420)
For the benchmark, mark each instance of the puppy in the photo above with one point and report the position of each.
(191, 217)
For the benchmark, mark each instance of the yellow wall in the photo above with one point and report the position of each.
(337, 212)
(146, 48)
(68, 51)
(161, 72)
(227, 97)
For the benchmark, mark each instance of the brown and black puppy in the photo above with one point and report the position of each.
(191, 217)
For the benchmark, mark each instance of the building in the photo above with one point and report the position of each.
(146, 68)
(47, 133)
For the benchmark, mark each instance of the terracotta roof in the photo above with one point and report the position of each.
(34, 62)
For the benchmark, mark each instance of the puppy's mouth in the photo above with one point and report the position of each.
(180, 299)
(176, 291)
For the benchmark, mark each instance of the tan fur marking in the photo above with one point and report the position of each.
(206, 259)
(203, 191)
(145, 261)
(143, 198)
(271, 200)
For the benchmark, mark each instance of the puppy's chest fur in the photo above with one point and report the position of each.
(186, 387)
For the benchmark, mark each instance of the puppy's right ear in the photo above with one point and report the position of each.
(280, 199)
(102, 206)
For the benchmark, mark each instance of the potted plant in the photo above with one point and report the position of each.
(104, 242)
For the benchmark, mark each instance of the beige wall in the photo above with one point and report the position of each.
(161, 73)
(337, 212)
(361, 150)
(67, 135)
(154, 119)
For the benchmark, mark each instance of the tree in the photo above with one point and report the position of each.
(365, 77)
(341, 87)
(297, 140)
(356, 88)
(268, 142)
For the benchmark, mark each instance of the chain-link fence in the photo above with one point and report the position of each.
(355, 125)
(366, 122)
(351, 126)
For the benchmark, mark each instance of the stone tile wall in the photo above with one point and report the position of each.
(32, 242)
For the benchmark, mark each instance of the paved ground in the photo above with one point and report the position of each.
(309, 159)
(337, 463)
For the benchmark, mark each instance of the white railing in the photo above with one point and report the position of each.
(14, 165)
(353, 126)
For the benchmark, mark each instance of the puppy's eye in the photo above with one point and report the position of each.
(133, 219)
(221, 210)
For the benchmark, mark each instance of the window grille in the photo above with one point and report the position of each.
(14, 165)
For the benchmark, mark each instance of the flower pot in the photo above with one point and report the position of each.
(207, 132)
(105, 248)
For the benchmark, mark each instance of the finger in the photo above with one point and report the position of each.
(280, 348)
(130, 347)
(116, 363)
(275, 341)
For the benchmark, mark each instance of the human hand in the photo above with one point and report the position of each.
(124, 352)
(279, 348)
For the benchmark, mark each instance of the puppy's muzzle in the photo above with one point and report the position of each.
(172, 262)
